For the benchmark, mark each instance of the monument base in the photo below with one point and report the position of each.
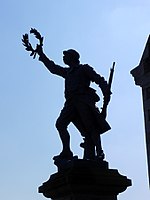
(85, 180)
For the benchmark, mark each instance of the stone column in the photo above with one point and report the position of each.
(141, 76)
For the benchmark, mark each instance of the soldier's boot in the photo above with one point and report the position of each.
(67, 155)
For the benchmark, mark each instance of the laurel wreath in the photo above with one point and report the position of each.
(27, 44)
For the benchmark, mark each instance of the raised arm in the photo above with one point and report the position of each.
(50, 65)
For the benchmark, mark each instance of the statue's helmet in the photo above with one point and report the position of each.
(73, 53)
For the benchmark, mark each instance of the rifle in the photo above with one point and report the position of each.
(107, 96)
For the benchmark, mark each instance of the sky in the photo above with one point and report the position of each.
(31, 98)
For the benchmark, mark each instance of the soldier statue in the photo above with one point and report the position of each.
(80, 104)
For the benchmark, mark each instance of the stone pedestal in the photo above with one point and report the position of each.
(85, 180)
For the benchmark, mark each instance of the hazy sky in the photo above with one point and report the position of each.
(31, 98)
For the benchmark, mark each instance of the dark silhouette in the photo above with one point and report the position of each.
(80, 102)
(80, 106)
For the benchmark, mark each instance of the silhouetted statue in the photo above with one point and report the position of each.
(80, 105)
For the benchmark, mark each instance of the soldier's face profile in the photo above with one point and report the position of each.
(67, 59)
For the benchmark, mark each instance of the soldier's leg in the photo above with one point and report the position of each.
(89, 148)
(61, 124)
(93, 146)
(85, 114)
(97, 141)
(87, 145)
